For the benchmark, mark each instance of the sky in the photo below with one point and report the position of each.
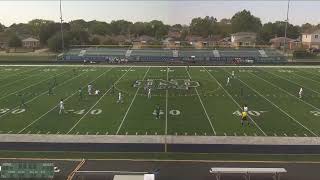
(170, 12)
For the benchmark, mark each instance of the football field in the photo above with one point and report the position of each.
(193, 101)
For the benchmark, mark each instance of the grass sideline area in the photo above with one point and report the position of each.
(192, 102)
(27, 57)
(160, 156)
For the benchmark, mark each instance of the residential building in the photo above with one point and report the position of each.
(247, 39)
(311, 39)
(30, 43)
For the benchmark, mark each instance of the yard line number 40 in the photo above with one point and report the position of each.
(252, 113)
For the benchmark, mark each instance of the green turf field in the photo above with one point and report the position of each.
(194, 102)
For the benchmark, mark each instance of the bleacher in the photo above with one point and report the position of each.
(213, 56)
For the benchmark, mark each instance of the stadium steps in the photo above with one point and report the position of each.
(216, 53)
(82, 52)
(128, 53)
(263, 53)
(175, 53)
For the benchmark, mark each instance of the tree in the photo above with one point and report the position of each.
(36, 25)
(121, 27)
(55, 42)
(138, 29)
(204, 26)
(307, 27)
(2, 27)
(47, 31)
(15, 41)
(244, 21)
(78, 24)
(99, 28)
(277, 29)
(225, 28)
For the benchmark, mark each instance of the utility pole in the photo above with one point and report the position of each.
(286, 26)
(61, 27)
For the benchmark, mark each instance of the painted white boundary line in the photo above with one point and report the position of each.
(129, 65)
(97, 102)
(36, 120)
(293, 82)
(159, 139)
(234, 101)
(278, 108)
(18, 80)
(15, 74)
(34, 84)
(134, 97)
(167, 91)
(45, 92)
(203, 107)
(285, 91)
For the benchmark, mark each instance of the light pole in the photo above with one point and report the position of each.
(286, 26)
(61, 27)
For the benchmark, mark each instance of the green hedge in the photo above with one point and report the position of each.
(303, 54)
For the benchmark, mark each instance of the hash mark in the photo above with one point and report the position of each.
(285, 134)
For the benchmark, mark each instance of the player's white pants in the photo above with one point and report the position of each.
(149, 95)
(61, 110)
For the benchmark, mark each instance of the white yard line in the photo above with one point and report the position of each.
(163, 66)
(292, 82)
(307, 78)
(279, 108)
(166, 124)
(203, 107)
(31, 85)
(235, 101)
(286, 91)
(36, 120)
(96, 102)
(15, 74)
(134, 97)
(18, 80)
(43, 93)
(309, 72)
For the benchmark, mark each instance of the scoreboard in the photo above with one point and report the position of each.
(27, 170)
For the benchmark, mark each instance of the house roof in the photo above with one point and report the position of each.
(30, 39)
(144, 38)
(244, 34)
(312, 31)
(280, 39)
(194, 38)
